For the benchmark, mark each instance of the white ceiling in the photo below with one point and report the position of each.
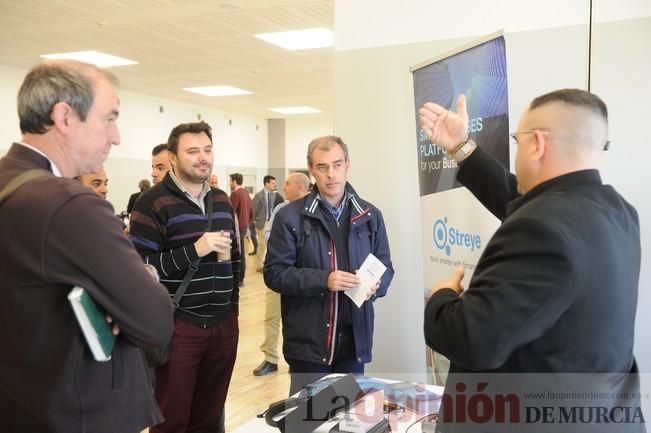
(183, 43)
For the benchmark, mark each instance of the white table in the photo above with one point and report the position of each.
(399, 421)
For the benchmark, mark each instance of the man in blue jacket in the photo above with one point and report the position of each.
(316, 245)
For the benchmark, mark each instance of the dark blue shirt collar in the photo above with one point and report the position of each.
(336, 211)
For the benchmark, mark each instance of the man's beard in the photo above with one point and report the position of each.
(191, 177)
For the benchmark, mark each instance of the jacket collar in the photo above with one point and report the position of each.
(560, 183)
(358, 207)
(34, 156)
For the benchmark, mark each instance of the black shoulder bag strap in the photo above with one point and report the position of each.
(195, 264)
(20, 180)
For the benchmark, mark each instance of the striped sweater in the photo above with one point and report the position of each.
(164, 226)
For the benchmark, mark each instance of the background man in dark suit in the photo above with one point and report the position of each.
(555, 290)
(264, 202)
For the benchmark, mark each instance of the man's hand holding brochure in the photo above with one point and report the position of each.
(369, 274)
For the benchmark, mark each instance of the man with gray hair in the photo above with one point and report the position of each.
(316, 245)
(143, 185)
(50, 381)
(213, 181)
(555, 290)
(296, 186)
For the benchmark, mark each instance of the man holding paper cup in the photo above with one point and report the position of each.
(188, 232)
(328, 257)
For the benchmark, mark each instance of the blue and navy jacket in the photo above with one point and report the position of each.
(304, 247)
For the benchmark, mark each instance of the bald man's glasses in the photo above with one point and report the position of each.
(514, 135)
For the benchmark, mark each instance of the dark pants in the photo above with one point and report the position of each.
(242, 255)
(303, 373)
(191, 388)
(254, 238)
(222, 423)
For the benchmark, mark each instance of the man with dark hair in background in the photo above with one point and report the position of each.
(555, 290)
(160, 162)
(98, 182)
(243, 208)
(168, 228)
(264, 202)
(316, 245)
(58, 234)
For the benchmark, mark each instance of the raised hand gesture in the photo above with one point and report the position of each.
(443, 127)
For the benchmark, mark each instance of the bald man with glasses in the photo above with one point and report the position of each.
(555, 290)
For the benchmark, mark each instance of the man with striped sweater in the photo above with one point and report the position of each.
(168, 228)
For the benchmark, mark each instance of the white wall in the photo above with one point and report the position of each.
(374, 110)
(299, 131)
(142, 127)
(10, 80)
(376, 23)
(621, 71)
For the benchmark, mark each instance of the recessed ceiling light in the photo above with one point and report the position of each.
(97, 58)
(300, 39)
(295, 110)
(217, 90)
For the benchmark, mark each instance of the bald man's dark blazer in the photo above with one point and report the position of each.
(554, 291)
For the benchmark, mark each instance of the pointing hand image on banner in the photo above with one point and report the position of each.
(479, 73)
(470, 85)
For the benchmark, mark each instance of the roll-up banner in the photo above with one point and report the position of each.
(455, 225)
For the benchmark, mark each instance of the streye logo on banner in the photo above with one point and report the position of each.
(445, 237)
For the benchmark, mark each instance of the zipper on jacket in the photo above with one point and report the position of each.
(334, 305)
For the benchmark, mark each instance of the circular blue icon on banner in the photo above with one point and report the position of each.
(440, 233)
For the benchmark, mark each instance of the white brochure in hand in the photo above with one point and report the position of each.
(369, 273)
